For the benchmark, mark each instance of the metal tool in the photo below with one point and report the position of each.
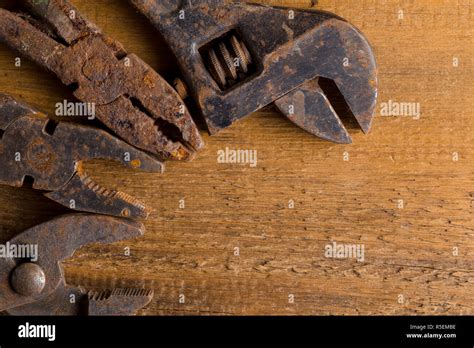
(38, 287)
(130, 97)
(50, 155)
(236, 58)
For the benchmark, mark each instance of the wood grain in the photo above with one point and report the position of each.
(409, 266)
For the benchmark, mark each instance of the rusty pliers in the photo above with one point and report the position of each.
(236, 58)
(130, 97)
(51, 154)
(35, 284)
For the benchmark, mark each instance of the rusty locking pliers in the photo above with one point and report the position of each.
(50, 155)
(236, 58)
(36, 285)
(131, 98)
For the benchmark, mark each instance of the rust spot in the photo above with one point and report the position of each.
(40, 155)
(148, 79)
(136, 163)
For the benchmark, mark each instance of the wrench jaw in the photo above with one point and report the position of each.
(357, 75)
(349, 62)
(57, 241)
(277, 62)
(309, 108)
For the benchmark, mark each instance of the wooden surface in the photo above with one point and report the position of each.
(411, 265)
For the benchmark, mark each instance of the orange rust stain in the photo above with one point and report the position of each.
(149, 80)
(136, 163)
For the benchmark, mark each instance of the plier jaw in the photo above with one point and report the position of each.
(38, 287)
(131, 98)
(52, 157)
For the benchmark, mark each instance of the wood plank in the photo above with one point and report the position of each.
(190, 251)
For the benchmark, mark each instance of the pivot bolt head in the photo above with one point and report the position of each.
(28, 279)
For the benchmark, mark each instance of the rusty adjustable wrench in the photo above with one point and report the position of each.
(51, 154)
(36, 285)
(130, 97)
(236, 58)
